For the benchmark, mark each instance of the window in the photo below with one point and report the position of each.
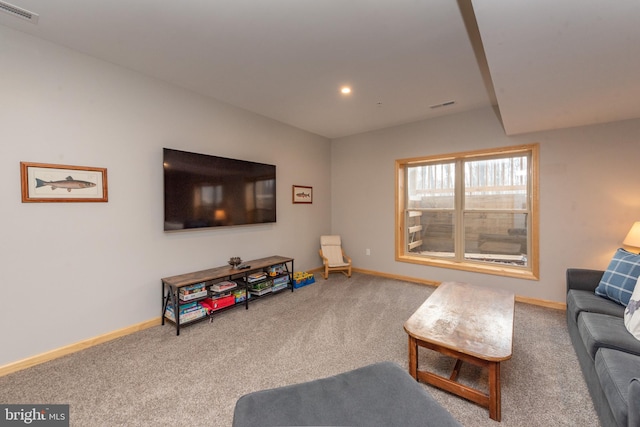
(472, 211)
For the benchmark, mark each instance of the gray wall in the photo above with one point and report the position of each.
(589, 194)
(73, 271)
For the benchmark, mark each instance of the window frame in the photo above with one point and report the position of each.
(530, 272)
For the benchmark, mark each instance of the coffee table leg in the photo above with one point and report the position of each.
(456, 370)
(494, 391)
(413, 357)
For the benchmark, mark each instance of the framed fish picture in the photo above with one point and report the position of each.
(302, 194)
(43, 182)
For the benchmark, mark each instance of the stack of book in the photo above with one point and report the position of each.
(223, 286)
(261, 288)
(188, 312)
(280, 283)
(219, 295)
(191, 292)
(256, 277)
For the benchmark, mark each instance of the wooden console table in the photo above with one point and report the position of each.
(171, 285)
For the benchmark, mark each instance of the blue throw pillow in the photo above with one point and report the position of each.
(620, 278)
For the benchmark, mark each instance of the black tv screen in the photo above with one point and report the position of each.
(209, 191)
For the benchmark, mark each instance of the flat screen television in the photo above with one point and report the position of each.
(209, 191)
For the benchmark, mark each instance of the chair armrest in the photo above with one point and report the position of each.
(325, 260)
(583, 279)
(346, 258)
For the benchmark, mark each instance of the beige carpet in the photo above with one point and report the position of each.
(155, 378)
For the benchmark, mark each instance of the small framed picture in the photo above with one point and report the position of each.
(43, 182)
(302, 194)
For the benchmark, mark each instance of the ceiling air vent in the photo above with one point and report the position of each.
(19, 12)
(444, 104)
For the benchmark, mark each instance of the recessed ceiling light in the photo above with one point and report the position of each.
(345, 90)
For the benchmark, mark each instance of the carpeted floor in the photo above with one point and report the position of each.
(155, 378)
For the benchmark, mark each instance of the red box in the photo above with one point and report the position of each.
(224, 301)
(217, 304)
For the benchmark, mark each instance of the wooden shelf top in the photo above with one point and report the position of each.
(222, 272)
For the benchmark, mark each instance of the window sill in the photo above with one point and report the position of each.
(495, 269)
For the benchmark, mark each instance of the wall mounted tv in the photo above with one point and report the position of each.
(209, 191)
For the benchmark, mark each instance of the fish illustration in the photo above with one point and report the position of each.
(69, 184)
(303, 195)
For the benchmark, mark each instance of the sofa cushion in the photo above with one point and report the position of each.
(620, 278)
(382, 394)
(615, 370)
(603, 331)
(579, 301)
(632, 313)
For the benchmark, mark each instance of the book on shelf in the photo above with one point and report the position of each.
(194, 315)
(223, 286)
(259, 292)
(187, 314)
(190, 313)
(256, 277)
(261, 285)
(279, 287)
(192, 296)
(280, 280)
(220, 295)
(198, 287)
(185, 306)
(184, 310)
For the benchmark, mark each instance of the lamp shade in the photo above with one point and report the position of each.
(633, 237)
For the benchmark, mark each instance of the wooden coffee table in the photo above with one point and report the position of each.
(470, 323)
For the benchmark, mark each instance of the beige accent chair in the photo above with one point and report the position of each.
(333, 256)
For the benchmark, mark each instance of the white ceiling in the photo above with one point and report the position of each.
(554, 63)
(562, 63)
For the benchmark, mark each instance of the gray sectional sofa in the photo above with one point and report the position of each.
(609, 355)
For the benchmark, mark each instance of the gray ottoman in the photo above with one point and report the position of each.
(382, 394)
